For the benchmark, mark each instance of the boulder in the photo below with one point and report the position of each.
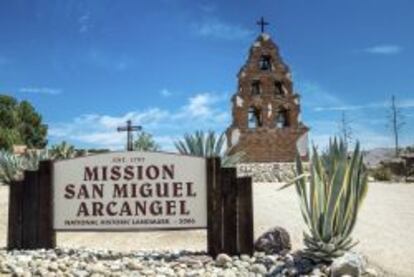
(351, 264)
(222, 259)
(274, 241)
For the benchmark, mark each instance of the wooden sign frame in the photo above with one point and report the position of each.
(229, 210)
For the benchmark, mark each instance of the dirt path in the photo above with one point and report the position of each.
(385, 228)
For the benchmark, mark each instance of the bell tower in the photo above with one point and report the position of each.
(266, 122)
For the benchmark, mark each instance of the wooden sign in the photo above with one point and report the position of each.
(130, 190)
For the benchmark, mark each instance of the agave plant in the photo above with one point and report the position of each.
(208, 145)
(63, 151)
(330, 198)
(11, 167)
(33, 157)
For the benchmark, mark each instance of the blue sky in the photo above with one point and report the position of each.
(171, 65)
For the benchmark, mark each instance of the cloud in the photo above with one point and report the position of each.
(384, 49)
(217, 29)
(166, 93)
(200, 105)
(404, 103)
(313, 95)
(84, 23)
(201, 111)
(41, 90)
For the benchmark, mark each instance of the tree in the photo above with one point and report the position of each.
(20, 124)
(345, 129)
(145, 142)
(208, 145)
(396, 122)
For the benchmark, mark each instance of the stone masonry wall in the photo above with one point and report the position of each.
(268, 172)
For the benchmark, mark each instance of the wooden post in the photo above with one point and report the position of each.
(15, 226)
(46, 235)
(229, 187)
(245, 216)
(30, 209)
(214, 208)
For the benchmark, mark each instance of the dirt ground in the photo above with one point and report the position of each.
(385, 227)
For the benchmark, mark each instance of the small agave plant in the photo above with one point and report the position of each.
(330, 198)
(208, 145)
(33, 158)
(12, 166)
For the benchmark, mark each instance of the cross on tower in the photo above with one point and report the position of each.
(129, 129)
(262, 24)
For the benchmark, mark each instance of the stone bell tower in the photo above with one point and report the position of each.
(266, 122)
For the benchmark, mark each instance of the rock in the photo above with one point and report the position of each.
(303, 265)
(18, 271)
(80, 273)
(53, 266)
(97, 268)
(370, 272)
(41, 271)
(274, 241)
(148, 272)
(229, 273)
(245, 258)
(351, 264)
(259, 269)
(222, 259)
(134, 265)
(4, 268)
(277, 268)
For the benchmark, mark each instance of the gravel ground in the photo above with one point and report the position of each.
(385, 228)
(87, 262)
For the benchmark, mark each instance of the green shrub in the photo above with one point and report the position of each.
(381, 173)
(63, 151)
(145, 142)
(330, 198)
(208, 145)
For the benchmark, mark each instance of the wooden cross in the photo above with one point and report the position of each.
(129, 129)
(262, 24)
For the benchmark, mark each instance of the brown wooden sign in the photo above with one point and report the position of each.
(151, 191)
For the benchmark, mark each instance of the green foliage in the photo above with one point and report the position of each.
(32, 159)
(145, 142)
(62, 151)
(9, 137)
(381, 173)
(20, 124)
(12, 166)
(330, 198)
(208, 145)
